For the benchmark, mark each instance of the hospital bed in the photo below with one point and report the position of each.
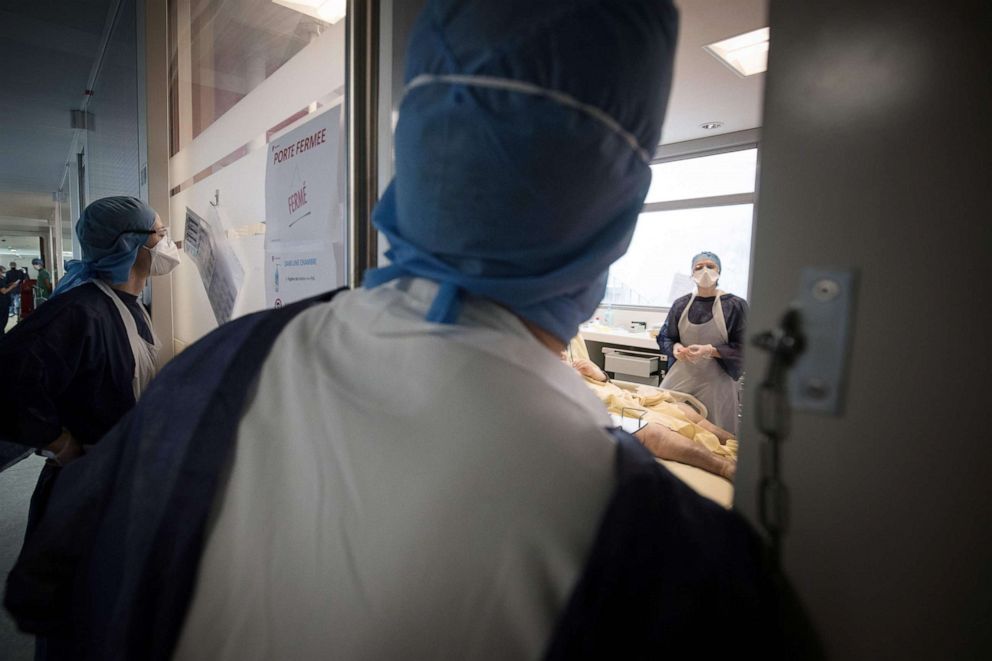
(714, 487)
(708, 485)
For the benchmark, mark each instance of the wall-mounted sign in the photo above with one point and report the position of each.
(305, 231)
(206, 243)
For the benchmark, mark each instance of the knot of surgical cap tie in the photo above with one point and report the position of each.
(447, 301)
(77, 272)
(447, 304)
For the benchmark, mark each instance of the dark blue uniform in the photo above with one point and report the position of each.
(12, 276)
(67, 366)
(734, 313)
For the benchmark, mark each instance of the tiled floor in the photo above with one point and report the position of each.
(16, 485)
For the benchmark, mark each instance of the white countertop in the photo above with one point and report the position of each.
(642, 339)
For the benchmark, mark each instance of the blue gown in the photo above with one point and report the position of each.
(111, 570)
(68, 365)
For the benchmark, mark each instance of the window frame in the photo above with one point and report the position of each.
(711, 146)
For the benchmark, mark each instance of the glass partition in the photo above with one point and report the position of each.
(257, 177)
(704, 176)
(694, 204)
(655, 270)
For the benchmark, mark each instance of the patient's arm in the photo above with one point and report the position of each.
(695, 418)
(587, 368)
(667, 444)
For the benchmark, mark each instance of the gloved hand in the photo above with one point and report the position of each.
(682, 353)
(702, 351)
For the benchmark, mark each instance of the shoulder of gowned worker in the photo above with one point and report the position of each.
(680, 302)
(72, 314)
(252, 333)
(734, 301)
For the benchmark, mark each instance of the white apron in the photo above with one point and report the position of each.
(706, 380)
(144, 353)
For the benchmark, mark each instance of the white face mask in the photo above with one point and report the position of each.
(706, 277)
(165, 257)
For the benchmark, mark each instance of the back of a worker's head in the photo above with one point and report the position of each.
(110, 232)
(522, 150)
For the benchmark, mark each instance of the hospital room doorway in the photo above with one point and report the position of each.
(865, 156)
(702, 199)
(698, 218)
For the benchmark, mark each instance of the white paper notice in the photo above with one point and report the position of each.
(305, 231)
(207, 245)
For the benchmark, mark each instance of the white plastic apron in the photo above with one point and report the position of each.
(706, 379)
(144, 352)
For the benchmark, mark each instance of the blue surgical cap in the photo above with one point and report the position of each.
(708, 255)
(110, 232)
(522, 151)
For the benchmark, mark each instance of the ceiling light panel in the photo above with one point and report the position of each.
(329, 11)
(746, 54)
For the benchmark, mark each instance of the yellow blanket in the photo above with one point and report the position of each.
(659, 406)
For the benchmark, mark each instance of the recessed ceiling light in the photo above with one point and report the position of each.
(746, 54)
(329, 11)
(711, 125)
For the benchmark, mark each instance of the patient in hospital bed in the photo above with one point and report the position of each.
(676, 428)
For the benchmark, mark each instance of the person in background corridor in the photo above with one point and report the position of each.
(5, 301)
(12, 287)
(44, 280)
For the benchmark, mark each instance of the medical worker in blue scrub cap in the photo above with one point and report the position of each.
(78, 364)
(704, 333)
(407, 470)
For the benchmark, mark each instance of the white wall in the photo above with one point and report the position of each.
(622, 318)
(314, 74)
(22, 257)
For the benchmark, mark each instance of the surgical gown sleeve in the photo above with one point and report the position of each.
(669, 334)
(666, 345)
(732, 353)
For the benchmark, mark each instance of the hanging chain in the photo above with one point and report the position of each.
(785, 344)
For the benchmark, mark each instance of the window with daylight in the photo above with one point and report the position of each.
(694, 204)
